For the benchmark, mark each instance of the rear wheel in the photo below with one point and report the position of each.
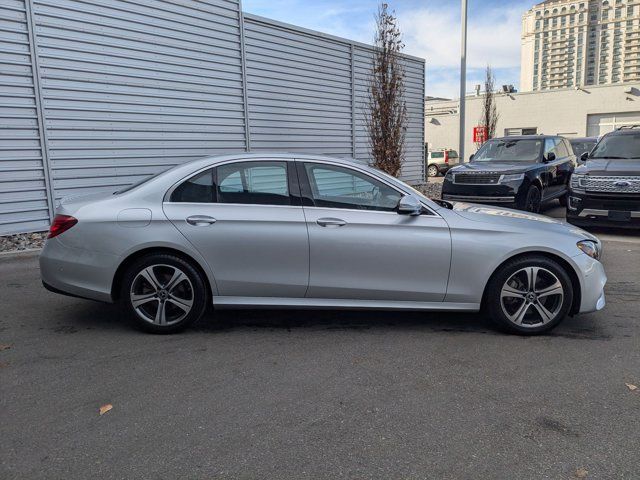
(163, 293)
(432, 171)
(529, 295)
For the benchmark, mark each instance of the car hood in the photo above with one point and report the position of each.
(517, 219)
(605, 166)
(501, 167)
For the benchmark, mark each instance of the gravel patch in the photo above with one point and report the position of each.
(22, 241)
(430, 189)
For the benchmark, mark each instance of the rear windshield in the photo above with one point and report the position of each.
(505, 150)
(580, 146)
(623, 147)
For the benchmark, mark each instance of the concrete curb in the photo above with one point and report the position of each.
(29, 252)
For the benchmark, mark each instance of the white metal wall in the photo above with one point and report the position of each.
(23, 180)
(126, 88)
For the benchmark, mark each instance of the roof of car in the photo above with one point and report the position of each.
(626, 130)
(525, 137)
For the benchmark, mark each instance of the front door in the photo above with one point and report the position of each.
(248, 224)
(361, 248)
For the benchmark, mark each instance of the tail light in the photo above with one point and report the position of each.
(61, 223)
(446, 157)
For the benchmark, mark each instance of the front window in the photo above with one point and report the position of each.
(581, 146)
(339, 187)
(625, 146)
(524, 150)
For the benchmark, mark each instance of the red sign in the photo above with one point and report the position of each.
(479, 134)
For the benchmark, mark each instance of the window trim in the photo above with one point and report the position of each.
(293, 183)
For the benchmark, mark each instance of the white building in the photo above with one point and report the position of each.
(580, 42)
(588, 111)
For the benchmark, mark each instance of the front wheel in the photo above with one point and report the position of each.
(532, 200)
(163, 293)
(529, 295)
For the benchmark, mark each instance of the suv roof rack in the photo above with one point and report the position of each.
(628, 127)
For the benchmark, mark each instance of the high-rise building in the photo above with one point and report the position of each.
(571, 43)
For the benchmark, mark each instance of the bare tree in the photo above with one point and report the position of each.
(490, 114)
(386, 118)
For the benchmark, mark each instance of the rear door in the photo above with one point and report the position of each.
(246, 219)
(361, 248)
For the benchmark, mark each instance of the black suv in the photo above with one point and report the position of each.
(522, 171)
(605, 188)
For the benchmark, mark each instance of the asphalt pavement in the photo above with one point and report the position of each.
(324, 394)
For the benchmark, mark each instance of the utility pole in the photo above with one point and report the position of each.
(463, 79)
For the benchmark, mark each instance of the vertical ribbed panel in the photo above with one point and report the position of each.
(133, 87)
(299, 89)
(23, 189)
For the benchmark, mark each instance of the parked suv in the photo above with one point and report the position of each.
(439, 161)
(605, 190)
(522, 171)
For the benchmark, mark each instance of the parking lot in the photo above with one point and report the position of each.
(323, 394)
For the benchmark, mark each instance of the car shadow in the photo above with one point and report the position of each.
(95, 316)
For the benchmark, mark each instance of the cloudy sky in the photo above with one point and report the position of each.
(431, 30)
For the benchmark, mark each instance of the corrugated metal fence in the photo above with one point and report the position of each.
(98, 94)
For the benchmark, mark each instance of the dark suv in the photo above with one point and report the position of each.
(605, 189)
(522, 171)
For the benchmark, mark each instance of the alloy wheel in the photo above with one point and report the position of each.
(531, 297)
(432, 171)
(162, 294)
(533, 201)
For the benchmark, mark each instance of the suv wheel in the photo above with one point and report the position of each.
(432, 171)
(163, 293)
(529, 295)
(532, 200)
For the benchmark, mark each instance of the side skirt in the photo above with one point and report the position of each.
(329, 303)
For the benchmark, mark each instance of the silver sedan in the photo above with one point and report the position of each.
(283, 230)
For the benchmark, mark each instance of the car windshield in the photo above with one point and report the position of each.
(623, 147)
(581, 146)
(505, 150)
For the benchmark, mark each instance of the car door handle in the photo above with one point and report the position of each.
(330, 222)
(200, 220)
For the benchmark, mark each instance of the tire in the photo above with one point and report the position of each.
(515, 308)
(167, 281)
(563, 200)
(532, 201)
(432, 171)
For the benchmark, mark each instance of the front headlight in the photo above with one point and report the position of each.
(591, 248)
(511, 177)
(577, 182)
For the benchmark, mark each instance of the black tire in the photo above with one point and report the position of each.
(532, 321)
(563, 200)
(532, 200)
(189, 292)
(432, 171)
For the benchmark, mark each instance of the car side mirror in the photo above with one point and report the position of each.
(550, 157)
(409, 205)
(583, 157)
(471, 157)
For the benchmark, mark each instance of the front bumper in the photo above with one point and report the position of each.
(593, 279)
(612, 210)
(504, 193)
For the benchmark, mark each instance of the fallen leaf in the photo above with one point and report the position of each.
(4, 347)
(105, 408)
(581, 473)
(631, 386)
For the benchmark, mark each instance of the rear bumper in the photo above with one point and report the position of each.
(77, 272)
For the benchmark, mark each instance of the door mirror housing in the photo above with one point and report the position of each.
(409, 205)
(550, 157)
(583, 157)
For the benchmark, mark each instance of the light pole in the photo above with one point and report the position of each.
(463, 78)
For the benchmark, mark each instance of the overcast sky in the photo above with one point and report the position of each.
(431, 30)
